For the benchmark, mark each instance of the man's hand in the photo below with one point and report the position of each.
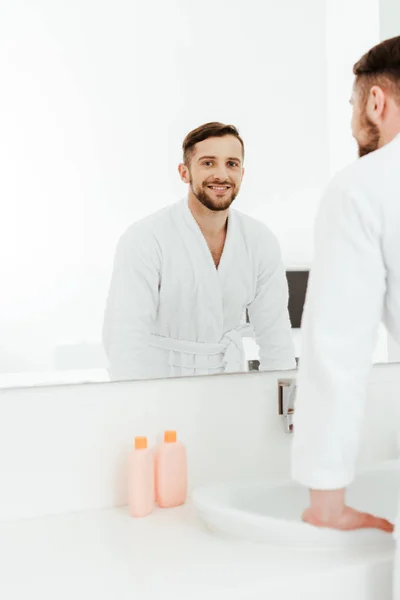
(328, 509)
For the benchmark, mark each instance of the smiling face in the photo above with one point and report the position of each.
(215, 171)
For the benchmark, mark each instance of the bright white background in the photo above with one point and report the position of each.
(95, 100)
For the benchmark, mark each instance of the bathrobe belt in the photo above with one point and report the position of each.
(230, 348)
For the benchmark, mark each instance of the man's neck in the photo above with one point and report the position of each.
(212, 223)
(390, 132)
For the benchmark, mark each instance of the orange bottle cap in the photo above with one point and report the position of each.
(140, 443)
(170, 437)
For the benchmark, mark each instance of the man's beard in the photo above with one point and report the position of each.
(202, 195)
(372, 135)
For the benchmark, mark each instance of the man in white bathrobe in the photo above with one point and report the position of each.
(184, 277)
(354, 284)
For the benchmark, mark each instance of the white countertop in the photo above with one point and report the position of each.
(60, 377)
(106, 554)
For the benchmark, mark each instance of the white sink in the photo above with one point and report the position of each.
(270, 511)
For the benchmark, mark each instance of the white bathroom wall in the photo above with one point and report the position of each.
(389, 14)
(352, 28)
(96, 99)
(65, 448)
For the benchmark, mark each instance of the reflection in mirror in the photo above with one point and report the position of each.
(96, 101)
(185, 277)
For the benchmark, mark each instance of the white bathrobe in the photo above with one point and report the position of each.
(354, 284)
(170, 312)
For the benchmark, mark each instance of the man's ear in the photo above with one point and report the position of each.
(184, 173)
(376, 104)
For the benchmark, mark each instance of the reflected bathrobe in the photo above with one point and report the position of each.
(353, 285)
(170, 312)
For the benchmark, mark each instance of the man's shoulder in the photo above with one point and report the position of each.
(364, 173)
(149, 227)
(255, 229)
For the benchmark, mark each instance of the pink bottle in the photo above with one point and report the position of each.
(141, 479)
(171, 472)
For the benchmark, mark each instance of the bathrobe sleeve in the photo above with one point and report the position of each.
(342, 314)
(268, 312)
(132, 305)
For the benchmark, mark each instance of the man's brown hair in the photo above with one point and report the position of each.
(380, 66)
(203, 133)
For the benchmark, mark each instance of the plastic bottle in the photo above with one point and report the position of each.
(141, 479)
(171, 472)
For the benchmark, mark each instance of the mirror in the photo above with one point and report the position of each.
(97, 100)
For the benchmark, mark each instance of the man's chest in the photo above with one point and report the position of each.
(216, 247)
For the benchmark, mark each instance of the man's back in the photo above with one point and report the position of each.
(353, 285)
(375, 183)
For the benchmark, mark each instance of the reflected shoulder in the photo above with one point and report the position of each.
(148, 227)
(256, 230)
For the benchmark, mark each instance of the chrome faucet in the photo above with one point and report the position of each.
(286, 396)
